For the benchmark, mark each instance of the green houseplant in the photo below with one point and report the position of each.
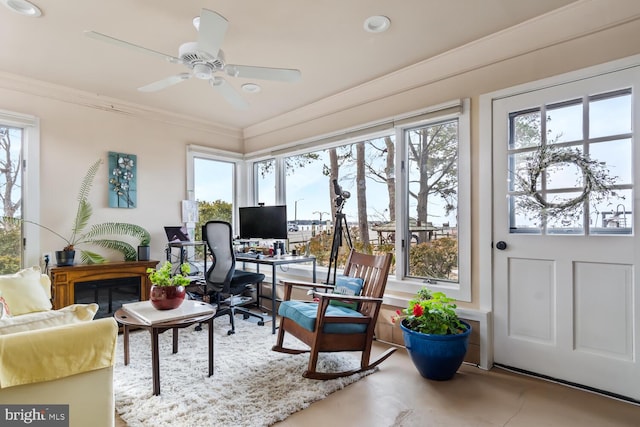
(168, 289)
(102, 235)
(144, 250)
(435, 338)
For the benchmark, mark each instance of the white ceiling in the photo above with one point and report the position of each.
(324, 39)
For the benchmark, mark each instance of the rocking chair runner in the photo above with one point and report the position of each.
(327, 327)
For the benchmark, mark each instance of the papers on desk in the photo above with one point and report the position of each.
(146, 313)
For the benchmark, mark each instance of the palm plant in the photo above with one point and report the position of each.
(103, 235)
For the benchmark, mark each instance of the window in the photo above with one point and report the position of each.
(19, 146)
(364, 173)
(265, 181)
(213, 190)
(11, 196)
(596, 126)
(431, 224)
(212, 182)
(405, 184)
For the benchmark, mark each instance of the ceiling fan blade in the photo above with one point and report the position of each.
(164, 83)
(113, 40)
(211, 32)
(229, 93)
(263, 73)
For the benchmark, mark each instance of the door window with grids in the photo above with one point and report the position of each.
(595, 128)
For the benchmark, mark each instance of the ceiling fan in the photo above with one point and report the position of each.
(204, 59)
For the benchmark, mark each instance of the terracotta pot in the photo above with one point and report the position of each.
(166, 297)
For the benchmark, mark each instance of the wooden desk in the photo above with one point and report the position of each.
(63, 279)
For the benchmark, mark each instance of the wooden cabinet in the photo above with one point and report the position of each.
(63, 279)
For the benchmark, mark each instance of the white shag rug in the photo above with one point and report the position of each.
(251, 384)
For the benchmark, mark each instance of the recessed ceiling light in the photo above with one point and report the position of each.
(377, 24)
(251, 87)
(23, 7)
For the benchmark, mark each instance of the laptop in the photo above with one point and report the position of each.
(177, 234)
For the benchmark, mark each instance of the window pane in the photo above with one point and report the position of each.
(308, 202)
(11, 141)
(563, 175)
(433, 201)
(610, 116)
(265, 176)
(564, 123)
(518, 164)
(521, 220)
(613, 215)
(525, 130)
(617, 156)
(565, 224)
(362, 170)
(213, 188)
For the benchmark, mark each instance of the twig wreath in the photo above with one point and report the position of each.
(597, 184)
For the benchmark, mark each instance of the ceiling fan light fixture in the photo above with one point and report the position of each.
(251, 88)
(377, 24)
(202, 71)
(23, 7)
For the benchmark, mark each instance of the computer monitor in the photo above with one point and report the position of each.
(263, 222)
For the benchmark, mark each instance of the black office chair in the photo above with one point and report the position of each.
(222, 281)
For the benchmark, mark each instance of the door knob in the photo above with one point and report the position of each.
(501, 245)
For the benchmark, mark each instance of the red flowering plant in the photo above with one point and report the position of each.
(431, 313)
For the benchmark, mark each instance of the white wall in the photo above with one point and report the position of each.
(74, 136)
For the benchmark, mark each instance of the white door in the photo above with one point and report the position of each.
(566, 296)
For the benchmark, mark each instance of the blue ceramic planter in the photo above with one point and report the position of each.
(437, 357)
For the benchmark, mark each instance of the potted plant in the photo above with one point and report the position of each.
(167, 289)
(435, 338)
(97, 235)
(144, 250)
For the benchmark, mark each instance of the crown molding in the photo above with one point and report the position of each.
(41, 89)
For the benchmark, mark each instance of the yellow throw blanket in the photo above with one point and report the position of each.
(58, 352)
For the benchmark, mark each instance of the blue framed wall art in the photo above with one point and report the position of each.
(122, 180)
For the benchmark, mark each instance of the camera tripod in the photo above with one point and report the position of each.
(340, 227)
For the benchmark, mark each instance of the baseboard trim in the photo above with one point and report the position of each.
(569, 384)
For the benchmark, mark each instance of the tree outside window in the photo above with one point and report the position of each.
(366, 170)
(433, 201)
(11, 198)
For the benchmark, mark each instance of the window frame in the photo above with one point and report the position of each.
(241, 185)
(460, 290)
(30, 181)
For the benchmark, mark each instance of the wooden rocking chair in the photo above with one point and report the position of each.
(327, 326)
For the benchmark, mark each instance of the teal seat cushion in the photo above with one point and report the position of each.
(305, 313)
(346, 285)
